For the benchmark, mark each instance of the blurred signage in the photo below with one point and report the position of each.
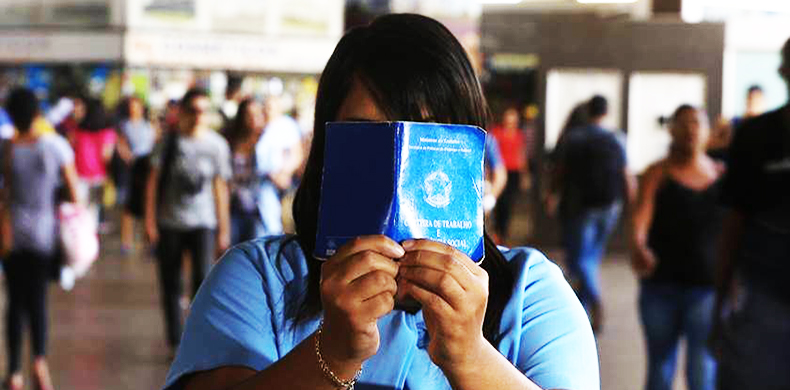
(513, 62)
(81, 13)
(59, 47)
(171, 14)
(293, 17)
(228, 51)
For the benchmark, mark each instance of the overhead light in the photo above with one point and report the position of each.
(498, 2)
(606, 1)
(754, 5)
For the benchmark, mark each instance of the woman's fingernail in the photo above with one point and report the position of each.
(399, 251)
(408, 244)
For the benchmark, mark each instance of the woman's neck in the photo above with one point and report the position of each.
(681, 159)
(245, 144)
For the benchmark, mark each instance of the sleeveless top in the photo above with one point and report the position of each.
(684, 234)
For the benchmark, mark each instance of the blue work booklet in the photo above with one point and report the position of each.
(404, 180)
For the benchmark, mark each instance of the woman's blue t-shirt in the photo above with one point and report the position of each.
(242, 317)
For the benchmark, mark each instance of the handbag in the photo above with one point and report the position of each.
(79, 240)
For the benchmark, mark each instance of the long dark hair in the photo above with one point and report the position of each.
(579, 117)
(416, 70)
(123, 110)
(237, 131)
(96, 117)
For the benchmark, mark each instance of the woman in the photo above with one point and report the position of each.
(270, 317)
(243, 135)
(579, 117)
(34, 165)
(93, 142)
(512, 144)
(676, 226)
(136, 141)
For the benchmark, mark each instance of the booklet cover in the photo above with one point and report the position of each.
(404, 180)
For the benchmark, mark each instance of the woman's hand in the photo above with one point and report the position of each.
(357, 288)
(6, 243)
(222, 242)
(151, 231)
(643, 261)
(453, 291)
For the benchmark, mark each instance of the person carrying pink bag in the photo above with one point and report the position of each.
(93, 142)
(33, 167)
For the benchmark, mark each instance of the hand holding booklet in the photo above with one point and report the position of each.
(405, 180)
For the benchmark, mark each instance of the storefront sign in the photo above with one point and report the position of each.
(228, 51)
(63, 46)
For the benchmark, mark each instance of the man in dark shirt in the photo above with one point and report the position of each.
(753, 305)
(592, 178)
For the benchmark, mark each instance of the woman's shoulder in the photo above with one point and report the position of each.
(277, 260)
(656, 172)
(547, 331)
(532, 271)
(538, 280)
(524, 258)
(54, 141)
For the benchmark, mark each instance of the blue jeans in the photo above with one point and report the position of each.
(244, 227)
(669, 311)
(584, 238)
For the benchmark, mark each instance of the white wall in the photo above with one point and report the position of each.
(751, 56)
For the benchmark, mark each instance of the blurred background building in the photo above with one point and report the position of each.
(156, 49)
(646, 57)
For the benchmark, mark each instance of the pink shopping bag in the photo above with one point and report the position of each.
(78, 237)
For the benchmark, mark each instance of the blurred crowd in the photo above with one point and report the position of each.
(195, 189)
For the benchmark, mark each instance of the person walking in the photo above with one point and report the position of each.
(33, 166)
(245, 186)
(279, 155)
(594, 184)
(675, 238)
(752, 311)
(187, 204)
(94, 142)
(512, 144)
(135, 143)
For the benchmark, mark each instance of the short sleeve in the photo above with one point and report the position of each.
(224, 168)
(622, 142)
(156, 154)
(6, 127)
(294, 135)
(550, 340)
(230, 321)
(61, 150)
(109, 137)
(493, 156)
(279, 137)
